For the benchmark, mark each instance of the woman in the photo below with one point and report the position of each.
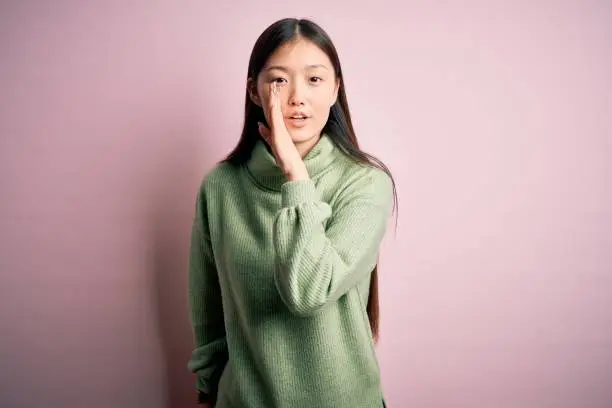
(283, 283)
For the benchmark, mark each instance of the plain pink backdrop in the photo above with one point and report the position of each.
(495, 118)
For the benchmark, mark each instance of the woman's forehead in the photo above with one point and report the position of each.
(300, 54)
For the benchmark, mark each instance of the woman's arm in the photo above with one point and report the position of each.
(320, 253)
(206, 311)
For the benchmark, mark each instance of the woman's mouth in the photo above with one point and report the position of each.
(298, 120)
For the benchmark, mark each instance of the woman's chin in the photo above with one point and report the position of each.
(302, 135)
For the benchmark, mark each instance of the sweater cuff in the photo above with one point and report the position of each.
(299, 191)
(202, 385)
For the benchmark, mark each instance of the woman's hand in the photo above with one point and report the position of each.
(286, 154)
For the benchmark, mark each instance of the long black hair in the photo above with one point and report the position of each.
(339, 126)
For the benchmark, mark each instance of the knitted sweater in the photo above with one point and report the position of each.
(278, 282)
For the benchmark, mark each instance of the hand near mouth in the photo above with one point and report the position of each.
(286, 154)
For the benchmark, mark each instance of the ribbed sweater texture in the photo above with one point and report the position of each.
(279, 275)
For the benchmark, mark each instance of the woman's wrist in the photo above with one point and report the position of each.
(298, 172)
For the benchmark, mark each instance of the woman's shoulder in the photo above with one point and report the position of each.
(361, 175)
(222, 174)
(363, 181)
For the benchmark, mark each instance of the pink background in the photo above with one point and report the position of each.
(494, 116)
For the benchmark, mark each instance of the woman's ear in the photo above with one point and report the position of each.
(252, 90)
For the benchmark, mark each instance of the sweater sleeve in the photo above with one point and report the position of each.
(322, 253)
(205, 308)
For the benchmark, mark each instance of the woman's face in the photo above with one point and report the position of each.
(308, 88)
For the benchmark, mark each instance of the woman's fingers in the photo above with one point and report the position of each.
(277, 123)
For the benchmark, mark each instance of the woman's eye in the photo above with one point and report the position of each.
(279, 80)
(316, 79)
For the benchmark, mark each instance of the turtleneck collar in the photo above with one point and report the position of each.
(264, 170)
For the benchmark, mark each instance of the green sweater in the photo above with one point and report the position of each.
(278, 282)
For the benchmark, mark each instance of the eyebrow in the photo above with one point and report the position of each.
(282, 68)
